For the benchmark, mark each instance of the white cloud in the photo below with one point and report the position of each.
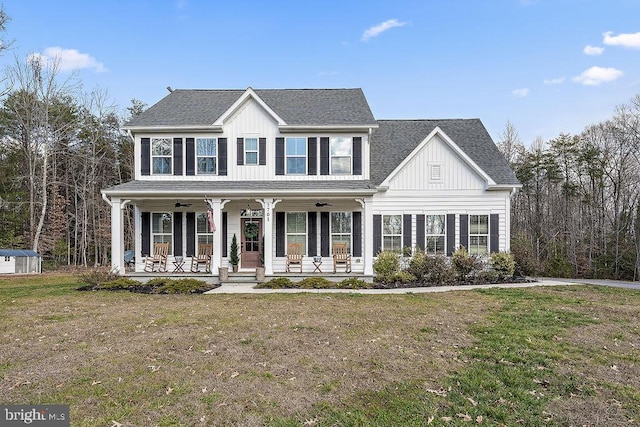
(521, 93)
(625, 40)
(597, 75)
(556, 81)
(68, 59)
(378, 29)
(593, 50)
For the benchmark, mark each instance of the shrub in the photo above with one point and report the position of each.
(121, 283)
(183, 286)
(386, 266)
(465, 265)
(315, 283)
(404, 277)
(353, 283)
(431, 269)
(503, 265)
(98, 277)
(276, 283)
(523, 255)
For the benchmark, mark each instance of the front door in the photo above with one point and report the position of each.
(251, 242)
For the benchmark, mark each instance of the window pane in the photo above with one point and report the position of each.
(206, 165)
(342, 238)
(479, 224)
(296, 222)
(341, 222)
(297, 238)
(392, 224)
(296, 147)
(435, 244)
(435, 224)
(205, 238)
(340, 165)
(478, 245)
(202, 224)
(161, 223)
(391, 243)
(161, 147)
(206, 146)
(252, 158)
(296, 165)
(251, 144)
(161, 165)
(340, 147)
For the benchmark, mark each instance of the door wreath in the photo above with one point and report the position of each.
(251, 230)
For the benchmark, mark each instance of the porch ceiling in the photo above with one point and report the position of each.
(169, 189)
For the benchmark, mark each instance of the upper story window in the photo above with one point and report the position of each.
(296, 155)
(392, 233)
(340, 155)
(251, 151)
(478, 234)
(161, 155)
(341, 228)
(206, 156)
(435, 237)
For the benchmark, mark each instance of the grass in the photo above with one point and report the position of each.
(553, 356)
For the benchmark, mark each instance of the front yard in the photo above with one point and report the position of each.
(553, 356)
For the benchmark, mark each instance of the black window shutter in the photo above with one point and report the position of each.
(406, 231)
(280, 159)
(493, 230)
(357, 155)
(177, 233)
(191, 233)
(377, 234)
(420, 231)
(464, 231)
(145, 156)
(280, 234)
(356, 250)
(312, 156)
(451, 233)
(191, 156)
(146, 233)
(224, 234)
(262, 151)
(240, 152)
(312, 233)
(222, 156)
(324, 234)
(324, 156)
(177, 156)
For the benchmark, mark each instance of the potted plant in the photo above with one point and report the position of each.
(234, 258)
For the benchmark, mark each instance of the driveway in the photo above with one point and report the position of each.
(600, 282)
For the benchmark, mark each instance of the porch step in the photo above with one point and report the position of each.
(244, 278)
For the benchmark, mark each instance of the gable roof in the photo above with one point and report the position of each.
(18, 252)
(394, 140)
(297, 107)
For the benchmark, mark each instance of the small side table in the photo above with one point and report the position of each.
(317, 262)
(178, 265)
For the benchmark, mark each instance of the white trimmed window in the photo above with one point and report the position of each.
(297, 229)
(435, 234)
(161, 156)
(162, 228)
(206, 156)
(341, 228)
(251, 151)
(340, 155)
(296, 156)
(203, 233)
(392, 233)
(478, 234)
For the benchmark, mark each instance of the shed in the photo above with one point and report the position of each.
(20, 261)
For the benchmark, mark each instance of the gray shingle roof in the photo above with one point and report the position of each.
(302, 107)
(230, 187)
(394, 140)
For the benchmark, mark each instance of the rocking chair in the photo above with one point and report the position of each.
(159, 258)
(205, 252)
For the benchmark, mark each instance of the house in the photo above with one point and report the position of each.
(20, 261)
(307, 166)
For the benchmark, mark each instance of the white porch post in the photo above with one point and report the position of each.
(267, 230)
(216, 260)
(368, 235)
(117, 242)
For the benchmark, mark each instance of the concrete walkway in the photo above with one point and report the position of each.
(247, 288)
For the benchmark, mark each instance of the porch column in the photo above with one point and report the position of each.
(216, 259)
(368, 235)
(117, 242)
(267, 230)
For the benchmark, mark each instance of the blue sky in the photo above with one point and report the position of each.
(548, 66)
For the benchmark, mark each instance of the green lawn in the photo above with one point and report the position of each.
(537, 356)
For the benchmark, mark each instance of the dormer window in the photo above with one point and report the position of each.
(296, 156)
(161, 156)
(206, 156)
(340, 153)
(251, 151)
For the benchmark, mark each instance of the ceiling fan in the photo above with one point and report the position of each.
(322, 204)
(182, 205)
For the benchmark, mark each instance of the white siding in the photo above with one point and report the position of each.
(7, 266)
(455, 173)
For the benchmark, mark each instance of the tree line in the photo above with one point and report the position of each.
(578, 212)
